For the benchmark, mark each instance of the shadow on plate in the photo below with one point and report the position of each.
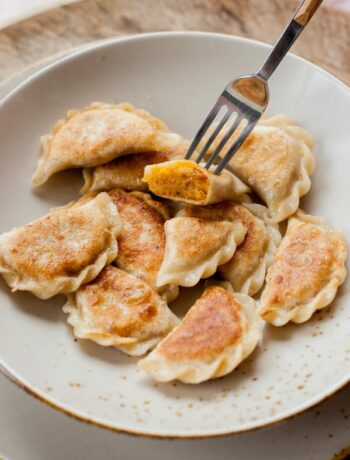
(212, 389)
(61, 188)
(186, 299)
(48, 310)
(109, 355)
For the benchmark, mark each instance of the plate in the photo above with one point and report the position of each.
(176, 76)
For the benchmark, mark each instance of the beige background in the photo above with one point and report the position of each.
(15, 10)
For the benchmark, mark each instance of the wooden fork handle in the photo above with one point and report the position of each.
(306, 11)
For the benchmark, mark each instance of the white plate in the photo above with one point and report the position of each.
(176, 76)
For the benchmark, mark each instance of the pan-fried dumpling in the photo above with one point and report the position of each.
(308, 268)
(246, 269)
(276, 162)
(142, 242)
(117, 309)
(127, 172)
(97, 135)
(217, 333)
(289, 125)
(185, 180)
(62, 250)
(195, 247)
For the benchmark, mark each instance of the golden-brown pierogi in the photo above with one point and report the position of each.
(308, 268)
(98, 134)
(195, 247)
(62, 250)
(217, 333)
(142, 242)
(277, 162)
(246, 269)
(117, 309)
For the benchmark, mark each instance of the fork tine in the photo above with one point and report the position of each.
(203, 129)
(236, 145)
(213, 136)
(223, 141)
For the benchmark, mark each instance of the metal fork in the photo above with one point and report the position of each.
(244, 100)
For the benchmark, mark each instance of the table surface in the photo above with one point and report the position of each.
(326, 40)
(16, 10)
(30, 430)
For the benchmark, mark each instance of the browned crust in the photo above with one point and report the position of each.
(303, 265)
(134, 255)
(255, 238)
(200, 238)
(211, 325)
(107, 317)
(30, 243)
(250, 252)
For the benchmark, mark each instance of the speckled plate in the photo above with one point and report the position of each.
(176, 76)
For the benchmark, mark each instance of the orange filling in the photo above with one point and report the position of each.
(179, 180)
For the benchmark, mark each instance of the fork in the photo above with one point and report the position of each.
(245, 99)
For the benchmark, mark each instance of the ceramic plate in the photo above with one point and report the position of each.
(176, 76)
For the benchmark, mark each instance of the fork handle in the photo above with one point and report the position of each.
(302, 16)
(306, 10)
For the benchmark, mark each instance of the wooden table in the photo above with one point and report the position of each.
(326, 41)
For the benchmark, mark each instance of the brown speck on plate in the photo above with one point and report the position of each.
(344, 454)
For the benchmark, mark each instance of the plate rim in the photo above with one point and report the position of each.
(87, 47)
(63, 408)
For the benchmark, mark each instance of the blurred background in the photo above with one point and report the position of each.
(34, 30)
(15, 10)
